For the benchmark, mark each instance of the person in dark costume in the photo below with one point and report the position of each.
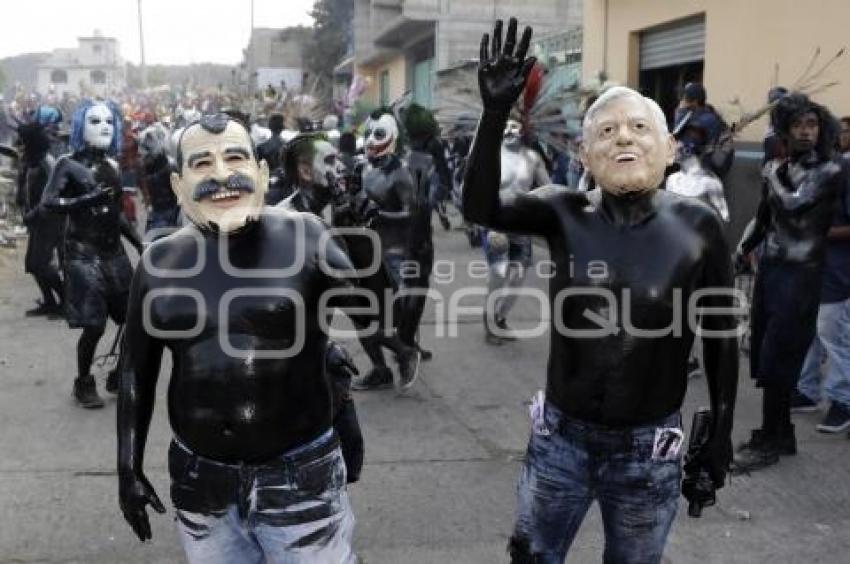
(795, 213)
(311, 161)
(271, 151)
(609, 425)
(85, 185)
(45, 229)
(385, 202)
(257, 474)
(431, 180)
(163, 212)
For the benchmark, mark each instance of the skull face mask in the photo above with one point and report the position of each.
(220, 185)
(99, 127)
(624, 147)
(381, 136)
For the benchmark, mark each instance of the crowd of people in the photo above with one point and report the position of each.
(256, 232)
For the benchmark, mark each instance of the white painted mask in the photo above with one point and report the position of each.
(381, 136)
(222, 185)
(99, 127)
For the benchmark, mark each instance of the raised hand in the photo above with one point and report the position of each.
(134, 492)
(503, 70)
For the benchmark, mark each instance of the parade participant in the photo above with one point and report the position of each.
(609, 427)
(385, 203)
(793, 217)
(694, 180)
(256, 470)
(271, 152)
(45, 229)
(311, 162)
(431, 180)
(389, 190)
(86, 186)
(509, 256)
(163, 211)
(833, 322)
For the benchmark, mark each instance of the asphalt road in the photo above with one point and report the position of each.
(441, 461)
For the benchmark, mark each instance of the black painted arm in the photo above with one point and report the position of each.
(65, 171)
(720, 348)
(757, 228)
(141, 355)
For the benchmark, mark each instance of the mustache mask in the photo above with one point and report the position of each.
(234, 182)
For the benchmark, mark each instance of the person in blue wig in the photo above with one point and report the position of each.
(85, 186)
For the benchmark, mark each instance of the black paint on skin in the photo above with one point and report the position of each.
(157, 183)
(796, 210)
(653, 244)
(389, 187)
(85, 186)
(45, 230)
(422, 166)
(223, 407)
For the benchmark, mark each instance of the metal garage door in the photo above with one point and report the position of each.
(682, 42)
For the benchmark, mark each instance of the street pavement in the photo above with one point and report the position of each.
(441, 461)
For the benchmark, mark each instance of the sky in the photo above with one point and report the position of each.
(176, 31)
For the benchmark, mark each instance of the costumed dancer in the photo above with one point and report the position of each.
(45, 229)
(157, 166)
(257, 474)
(609, 426)
(385, 202)
(696, 180)
(795, 213)
(85, 185)
(431, 179)
(510, 255)
(271, 151)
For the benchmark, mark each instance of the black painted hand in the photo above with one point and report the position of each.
(714, 457)
(339, 362)
(134, 492)
(502, 71)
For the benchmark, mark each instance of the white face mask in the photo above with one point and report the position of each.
(381, 136)
(325, 165)
(512, 132)
(219, 157)
(99, 127)
(624, 151)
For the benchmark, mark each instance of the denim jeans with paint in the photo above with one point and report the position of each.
(833, 341)
(576, 463)
(291, 510)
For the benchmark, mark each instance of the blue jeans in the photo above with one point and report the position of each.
(291, 510)
(833, 341)
(578, 462)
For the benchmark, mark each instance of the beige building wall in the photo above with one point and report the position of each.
(744, 40)
(397, 72)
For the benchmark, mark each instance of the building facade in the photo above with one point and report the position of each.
(275, 57)
(93, 68)
(400, 45)
(738, 50)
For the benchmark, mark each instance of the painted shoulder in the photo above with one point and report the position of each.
(692, 210)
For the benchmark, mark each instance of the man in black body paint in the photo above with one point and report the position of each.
(256, 470)
(609, 428)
